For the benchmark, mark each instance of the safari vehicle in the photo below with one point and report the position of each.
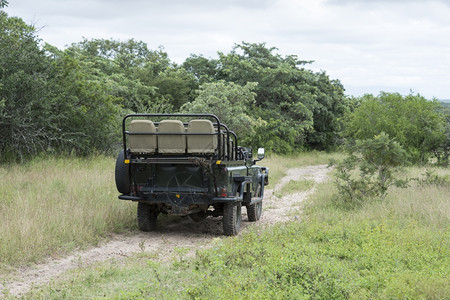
(188, 164)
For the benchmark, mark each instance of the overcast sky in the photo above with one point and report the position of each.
(369, 45)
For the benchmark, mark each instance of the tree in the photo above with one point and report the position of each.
(146, 80)
(176, 86)
(204, 70)
(50, 101)
(414, 122)
(25, 121)
(303, 107)
(86, 114)
(229, 102)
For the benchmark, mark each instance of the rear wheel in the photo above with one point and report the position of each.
(254, 211)
(122, 174)
(231, 218)
(147, 215)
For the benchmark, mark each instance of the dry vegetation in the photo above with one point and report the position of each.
(392, 248)
(52, 206)
(386, 249)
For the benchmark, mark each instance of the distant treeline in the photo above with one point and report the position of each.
(72, 100)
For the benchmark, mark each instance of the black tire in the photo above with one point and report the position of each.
(147, 216)
(198, 216)
(231, 218)
(122, 174)
(254, 211)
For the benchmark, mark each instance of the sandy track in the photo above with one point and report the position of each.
(181, 234)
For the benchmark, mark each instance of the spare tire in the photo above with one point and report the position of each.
(123, 183)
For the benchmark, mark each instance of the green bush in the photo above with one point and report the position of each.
(369, 170)
(415, 122)
(429, 177)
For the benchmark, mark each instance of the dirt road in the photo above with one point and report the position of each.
(180, 233)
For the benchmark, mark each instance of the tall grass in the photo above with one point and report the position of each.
(390, 249)
(50, 206)
(396, 248)
(385, 249)
(53, 205)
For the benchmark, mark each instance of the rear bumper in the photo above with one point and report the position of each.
(132, 198)
(153, 199)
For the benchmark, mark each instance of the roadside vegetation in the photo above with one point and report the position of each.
(392, 248)
(279, 164)
(50, 206)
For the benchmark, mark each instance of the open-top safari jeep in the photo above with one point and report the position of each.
(188, 164)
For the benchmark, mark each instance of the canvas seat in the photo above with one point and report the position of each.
(145, 144)
(171, 144)
(201, 144)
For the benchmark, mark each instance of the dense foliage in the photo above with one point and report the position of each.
(49, 102)
(72, 100)
(415, 123)
(54, 100)
(298, 108)
(229, 101)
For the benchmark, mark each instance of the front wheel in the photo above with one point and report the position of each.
(147, 215)
(231, 218)
(254, 211)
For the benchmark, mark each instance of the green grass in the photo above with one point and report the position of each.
(295, 186)
(278, 165)
(51, 206)
(396, 248)
(54, 205)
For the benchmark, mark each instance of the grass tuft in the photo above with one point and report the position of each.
(295, 186)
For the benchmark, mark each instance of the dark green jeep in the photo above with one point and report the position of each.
(188, 164)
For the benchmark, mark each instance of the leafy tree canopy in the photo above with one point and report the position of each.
(145, 79)
(25, 125)
(303, 107)
(54, 100)
(412, 120)
(229, 102)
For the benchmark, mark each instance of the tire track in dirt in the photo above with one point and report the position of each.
(182, 233)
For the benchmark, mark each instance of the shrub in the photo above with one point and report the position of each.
(377, 160)
(415, 122)
(431, 178)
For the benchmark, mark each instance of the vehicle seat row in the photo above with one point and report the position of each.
(174, 141)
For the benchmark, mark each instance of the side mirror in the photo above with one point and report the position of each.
(260, 153)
